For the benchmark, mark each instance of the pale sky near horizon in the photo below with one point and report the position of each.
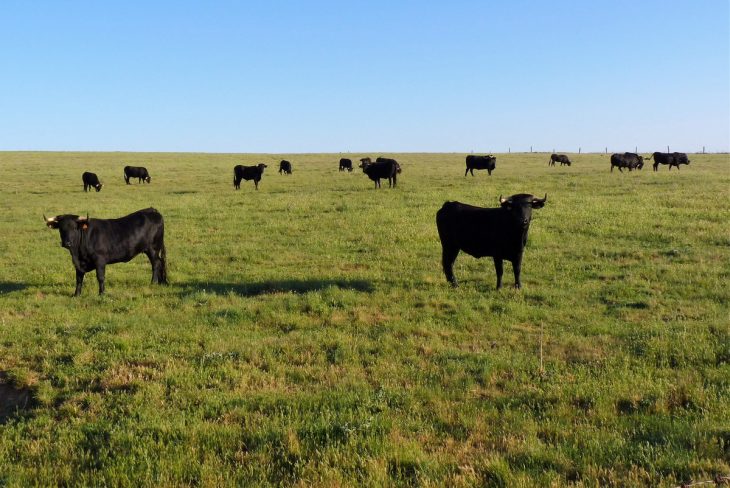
(365, 76)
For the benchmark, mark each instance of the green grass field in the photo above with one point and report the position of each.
(308, 336)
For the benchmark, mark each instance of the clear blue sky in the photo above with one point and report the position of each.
(364, 76)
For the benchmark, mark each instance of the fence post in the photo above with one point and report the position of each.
(578, 150)
(606, 150)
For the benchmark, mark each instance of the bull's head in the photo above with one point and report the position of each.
(521, 205)
(148, 179)
(99, 186)
(262, 166)
(70, 228)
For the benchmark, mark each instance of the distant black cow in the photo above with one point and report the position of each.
(94, 243)
(480, 162)
(285, 167)
(626, 160)
(497, 232)
(136, 172)
(559, 158)
(91, 181)
(248, 173)
(671, 159)
(345, 164)
(382, 169)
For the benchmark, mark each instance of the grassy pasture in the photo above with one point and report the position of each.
(308, 336)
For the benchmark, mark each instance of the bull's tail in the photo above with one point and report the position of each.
(649, 158)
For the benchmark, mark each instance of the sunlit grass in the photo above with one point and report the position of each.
(308, 334)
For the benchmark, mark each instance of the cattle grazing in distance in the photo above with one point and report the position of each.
(559, 158)
(626, 160)
(91, 181)
(285, 167)
(138, 172)
(380, 170)
(671, 159)
(345, 164)
(480, 162)
(497, 232)
(94, 243)
(248, 173)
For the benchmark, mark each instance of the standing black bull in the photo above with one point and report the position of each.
(345, 164)
(91, 181)
(626, 160)
(285, 167)
(136, 172)
(480, 162)
(560, 158)
(247, 173)
(671, 159)
(382, 169)
(94, 243)
(497, 232)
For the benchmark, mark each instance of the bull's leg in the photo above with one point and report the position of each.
(499, 268)
(151, 255)
(517, 267)
(79, 282)
(472, 171)
(466, 172)
(619, 169)
(126, 179)
(448, 256)
(256, 184)
(489, 171)
(100, 277)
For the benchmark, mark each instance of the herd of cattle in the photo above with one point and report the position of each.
(500, 233)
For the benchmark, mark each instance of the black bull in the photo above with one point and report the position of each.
(671, 159)
(94, 243)
(480, 162)
(497, 232)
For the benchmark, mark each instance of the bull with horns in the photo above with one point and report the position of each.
(94, 243)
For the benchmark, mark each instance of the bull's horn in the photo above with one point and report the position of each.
(503, 200)
(83, 218)
(48, 221)
(543, 200)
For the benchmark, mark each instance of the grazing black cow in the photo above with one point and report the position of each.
(285, 167)
(91, 181)
(671, 159)
(560, 158)
(136, 172)
(248, 173)
(480, 162)
(382, 169)
(94, 243)
(345, 164)
(626, 160)
(497, 232)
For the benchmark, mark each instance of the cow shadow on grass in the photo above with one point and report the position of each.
(253, 289)
(8, 287)
(14, 401)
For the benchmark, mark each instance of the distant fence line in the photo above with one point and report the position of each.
(604, 151)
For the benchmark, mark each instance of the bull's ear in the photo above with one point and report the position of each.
(52, 222)
(539, 202)
(83, 222)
